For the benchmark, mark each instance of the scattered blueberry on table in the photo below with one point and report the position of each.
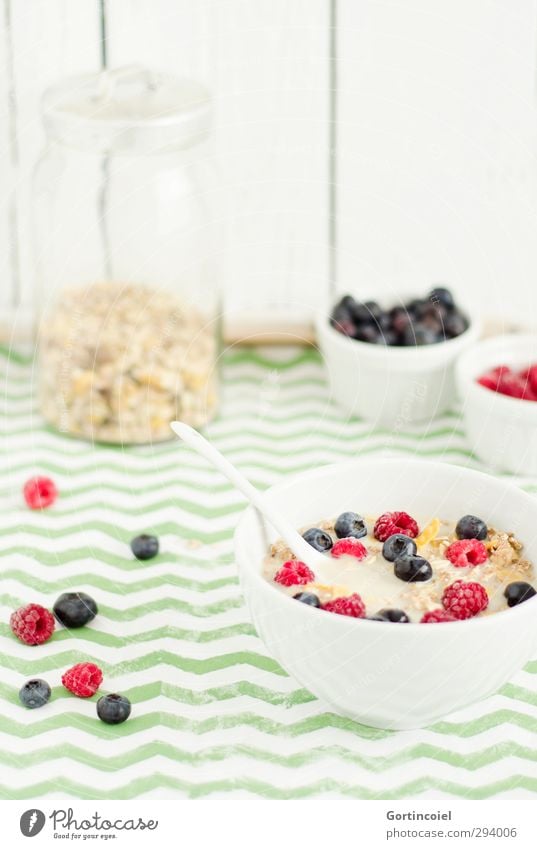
(145, 546)
(74, 610)
(420, 321)
(35, 693)
(113, 708)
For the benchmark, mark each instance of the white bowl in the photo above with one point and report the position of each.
(385, 674)
(502, 431)
(392, 386)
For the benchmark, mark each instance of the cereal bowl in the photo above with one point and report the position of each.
(385, 674)
(392, 386)
(502, 431)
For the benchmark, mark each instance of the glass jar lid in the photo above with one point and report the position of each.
(129, 109)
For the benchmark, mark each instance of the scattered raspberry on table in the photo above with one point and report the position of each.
(83, 679)
(40, 492)
(32, 624)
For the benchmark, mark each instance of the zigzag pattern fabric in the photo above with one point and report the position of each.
(213, 715)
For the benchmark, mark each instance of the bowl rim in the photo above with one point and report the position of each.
(347, 622)
(466, 375)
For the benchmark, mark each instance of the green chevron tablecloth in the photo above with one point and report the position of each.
(213, 714)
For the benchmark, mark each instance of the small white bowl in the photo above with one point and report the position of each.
(392, 386)
(380, 673)
(502, 431)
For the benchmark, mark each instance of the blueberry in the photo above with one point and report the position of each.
(398, 545)
(34, 693)
(308, 598)
(441, 295)
(350, 525)
(144, 547)
(517, 592)
(413, 568)
(75, 609)
(374, 310)
(318, 538)
(360, 313)
(393, 615)
(400, 319)
(113, 708)
(419, 334)
(471, 527)
(369, 333)
(455, 324)
(389, 337)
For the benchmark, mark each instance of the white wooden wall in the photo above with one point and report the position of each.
(433, 149)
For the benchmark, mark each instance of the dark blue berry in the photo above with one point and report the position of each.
(369, 333)
(350, 525)
(144, 547)
(393, 615)
(34, 693)
(471, 527)
(419, 334)
(75, 609)
(374, 310)
(318, 539)
(441, 295)
(113, 708)
(398, 545)
(413, 568)
(308, 598)
(517, 592)
(455, 324)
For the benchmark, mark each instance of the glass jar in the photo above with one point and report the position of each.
(128, 330)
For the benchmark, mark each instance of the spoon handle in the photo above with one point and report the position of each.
(195, 440)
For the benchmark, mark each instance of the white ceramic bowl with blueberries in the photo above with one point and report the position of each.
(393, 364)
(391, 674)
(502, 430)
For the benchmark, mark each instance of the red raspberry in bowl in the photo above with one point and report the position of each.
(395, 523)
(466, 552)
(83, 679)
(438, 615)
(351, 605)
(464, 600)
(40, 492)
(32, 624)
(350, 547)
(294, 572)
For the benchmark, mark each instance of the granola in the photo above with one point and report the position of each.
(119, 362)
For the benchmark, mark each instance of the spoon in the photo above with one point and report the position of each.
(298, 545)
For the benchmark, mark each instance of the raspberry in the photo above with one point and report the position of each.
(351, 605)
(395, 523)
(39, 493)
(32, 624)
(349, 546)
(491, 379)
(531, 375)
(464, 600)
(83, 679)
(466, 552)
(294, 572)
(438, 615)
